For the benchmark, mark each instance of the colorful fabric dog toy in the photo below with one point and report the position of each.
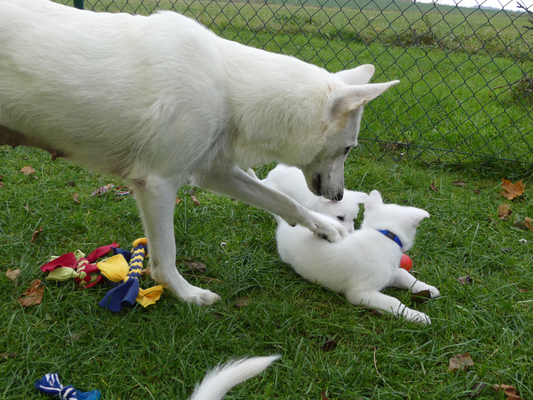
(117, 270)
(122, 271)
(75, 265)
(51, 385)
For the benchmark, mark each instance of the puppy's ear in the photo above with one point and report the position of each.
(350, 98)
(418, 216)
(357, 76)
(374, 200)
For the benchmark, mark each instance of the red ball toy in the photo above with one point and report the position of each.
(406, 262)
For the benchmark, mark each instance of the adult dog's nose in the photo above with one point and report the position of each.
(338, 196)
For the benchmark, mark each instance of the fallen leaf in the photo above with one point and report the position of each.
(32, 296)
(460, 362)
(421, 296)
(329, 345)
(2, 185)
(459, 183)
(178, 200)
(195, 200)
(243, 302)
(510, 391)
(433, 187)
(36, 234)
(27, 170)
(195, 265)
(465, 279)
(324, 397)
(27, 207)
(73, 337)
(504, 211)
(75, 197)
(512, 190)
(7, 355)
(12, 274)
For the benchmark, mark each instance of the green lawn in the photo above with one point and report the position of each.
(161, 351)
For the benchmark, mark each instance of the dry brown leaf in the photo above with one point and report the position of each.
(27, 170)
(243, 302)
(465, 279)
(421, 296)
(510, 391)
(195, 265)
(36, 234)
(529, 223)
(459, 183)
(75, 197)
(329, 345)
(195, 200)
(434, 188)
(512, 190)
(460, 362)
(324, 397)
(12, 274)
(32, 296)
(27, 207)
(178, 200)
(2, 185)
(504, 211)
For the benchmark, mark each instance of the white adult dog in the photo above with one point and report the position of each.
(161, 101)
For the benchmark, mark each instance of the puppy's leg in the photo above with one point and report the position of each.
(236, 183)
(382, 302)
(157, 198)
(404, 280)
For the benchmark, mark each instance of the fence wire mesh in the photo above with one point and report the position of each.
(466, 91)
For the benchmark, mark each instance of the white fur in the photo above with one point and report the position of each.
(161, 101)
(291, 181)
(221, 379)
(365, 262)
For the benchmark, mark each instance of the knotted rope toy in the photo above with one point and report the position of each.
(117, 270)
(51, 385)
(122, 271)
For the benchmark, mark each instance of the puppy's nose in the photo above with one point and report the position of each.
(339, 196)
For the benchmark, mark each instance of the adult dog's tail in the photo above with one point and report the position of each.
(221, 379)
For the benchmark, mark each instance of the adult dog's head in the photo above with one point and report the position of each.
(325, 173)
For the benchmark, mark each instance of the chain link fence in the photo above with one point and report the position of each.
(466, 91)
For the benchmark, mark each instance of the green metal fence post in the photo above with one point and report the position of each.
(78, 4)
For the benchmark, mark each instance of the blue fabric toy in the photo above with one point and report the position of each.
(50, 385)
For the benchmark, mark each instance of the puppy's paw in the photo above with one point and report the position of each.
(416, 316)
(433, 291)
(202, 297)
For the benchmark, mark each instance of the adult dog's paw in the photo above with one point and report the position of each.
(328, 228)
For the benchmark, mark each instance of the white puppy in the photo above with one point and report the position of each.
(221, 379)
(161, 101)
(291, 181)
(365, 262)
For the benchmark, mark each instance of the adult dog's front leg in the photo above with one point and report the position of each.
(157, 198)
(238, 184)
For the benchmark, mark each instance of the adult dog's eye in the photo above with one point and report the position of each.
(340, 217)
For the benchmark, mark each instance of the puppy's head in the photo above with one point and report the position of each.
(402, 221)
(346, 210)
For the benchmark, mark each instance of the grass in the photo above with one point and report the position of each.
(161, 351)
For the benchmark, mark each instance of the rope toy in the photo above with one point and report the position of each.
(117, 270)
(51, 385)
(122, 271)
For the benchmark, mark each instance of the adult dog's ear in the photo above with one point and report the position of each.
(350, 98)
(357, 76)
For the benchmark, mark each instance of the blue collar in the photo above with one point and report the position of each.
(392, 236)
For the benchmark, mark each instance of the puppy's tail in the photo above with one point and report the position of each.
(222, 378)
